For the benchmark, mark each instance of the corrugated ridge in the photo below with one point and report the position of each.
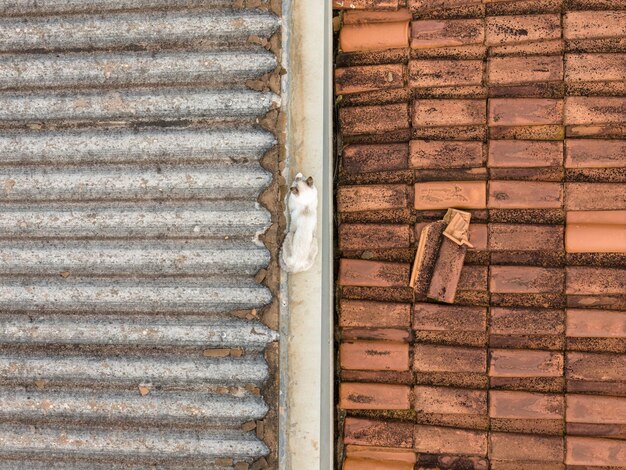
(129, 228)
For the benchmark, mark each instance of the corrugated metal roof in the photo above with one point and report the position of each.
(129, 228)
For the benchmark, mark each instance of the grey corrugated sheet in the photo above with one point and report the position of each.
(129, 229)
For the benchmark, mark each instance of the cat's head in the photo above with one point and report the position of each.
(303, 189)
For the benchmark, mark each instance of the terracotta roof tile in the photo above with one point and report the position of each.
(374, 119)
(525, 154)
(445, 154)
(595, 196)
(375, 16)
(595, 452)
(447, 272)
(377, 376)
(374, 36)
(595, 67)
(445, 33)
(525, 195)
(525, 363)
(366, 4)
(368, 78)
(474, 278)
(438, 112)
(594, 24)
(443, 194)
(376, 334)
(528, 49)
(525, 279)
(375, 157)
(522, 448)
(437, 358)
(372, 197)
(595, 281)
(596, 323)
(373, 236)
(525, 237)
(374, 355)
(436, 73)
(524, 111)
(592, 372)
(453, 401)
(387, 454)
(525, 405)
(595, 231)
(356, 272)
(580, 110)
(419, 6)
(596, 409)
(369, 396)
(378, 433)
(444, 440)
(526, 328)
(523, 28)
(595, 153)
(352, 463)
(519, 70)
(450, 318)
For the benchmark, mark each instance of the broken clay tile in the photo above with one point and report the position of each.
(374, 355)
(452, 359)
(426, 34)
(525, 363)
(455, 112)
(581, 110)
(443, 440)
(525, 280)
(582, 280)
(595, 67)
(524, 154)
(368, 314)
(434, 317)
(373, 236)
(372, 197)
(356, 272)
(447, 271)
(374, 119)
(378, 433)
(447, 400)
(365, 4)
(594, 24)
(525, 195)
(368, 78)
(385, 454)
(352, 463)
(374, 36)
(583, 323)
(595, 196)
(521, 28)
(519, 70)
(595, 153)
(419, 6)
(521, 448)
(373, 16)
(368, 396)
(435, 154)
(525, 111)
(375, 157)
(442, 73)
(436, 195)
(595, 452)
(505, 404)
(595, 409)
(426, 256)
(524, 237)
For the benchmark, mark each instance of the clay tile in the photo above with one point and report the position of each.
(365, 4)
(438, 195)
(596, 323)
(368, 396)
(525, 154)
(374, 355)
(372, 197)
(525, 195)
(373, 236)
(368, 78)
(435, 73)
(352, 463)
(386, 454)
(525, 280)
(581, 110)
(369, 16)
(419, 6)
(522, 28)
(595, 232)
(525, 111)
(596, 409)
(356, 272)
(519, 70)
(443, 440)
(365, 158)
(594, 67)
(594, 24)
(436, 154)
(374, 36)
(378, 433)
(374, 119)
(521, 448)
(506, 404)
(436, 358)
(525, 363)
(434, 317)
(594, 452)
(595, 153)
(446, 400)
(595, 196)
(427, 34)
(582, 280)
(367, 314)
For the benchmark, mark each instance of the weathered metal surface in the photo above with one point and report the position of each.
(129, 229)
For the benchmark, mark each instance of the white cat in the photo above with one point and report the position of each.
(300, 246)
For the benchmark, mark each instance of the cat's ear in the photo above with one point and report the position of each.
(294, 190)
(309, 181)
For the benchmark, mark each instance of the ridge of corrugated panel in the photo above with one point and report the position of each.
(129, 229)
